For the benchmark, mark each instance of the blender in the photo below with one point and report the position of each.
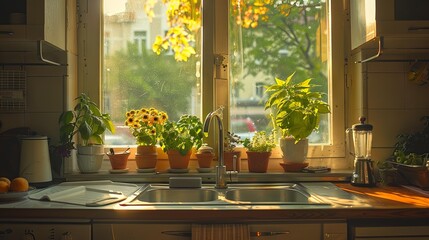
(363, 173)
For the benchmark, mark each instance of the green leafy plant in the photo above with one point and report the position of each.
(146, 125)
(85, 119)
(260, 142)
(296, 109)
(231, 140)
(182, 135)
(413, 148)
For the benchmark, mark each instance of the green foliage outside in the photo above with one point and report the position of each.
(149, 80)
(288, 41)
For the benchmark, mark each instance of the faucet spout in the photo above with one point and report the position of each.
(220, 168)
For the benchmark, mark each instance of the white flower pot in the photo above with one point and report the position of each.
(90, 149)
(89, 163)
(295, 153)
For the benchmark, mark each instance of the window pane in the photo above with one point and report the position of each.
(134, 76)
(269, 39)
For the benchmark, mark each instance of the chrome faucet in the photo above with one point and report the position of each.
(220, 168)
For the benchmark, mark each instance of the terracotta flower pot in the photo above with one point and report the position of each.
(177, 160)
(228, 158)
(258, 161)
(119, 160)
(205, 159)
(146, 157)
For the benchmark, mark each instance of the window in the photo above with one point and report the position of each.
(140, 41)
(259, 89)
(254, 54)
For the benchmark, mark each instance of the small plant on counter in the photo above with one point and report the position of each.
(182, 135)
(412, 148)
(146, 125)
(260, 142)
(86, 120)
(231, 140)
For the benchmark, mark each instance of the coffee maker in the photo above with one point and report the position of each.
(363, 173)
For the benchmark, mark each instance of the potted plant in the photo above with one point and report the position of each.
(178, 139)
(259, 151)
(89, 123)
(231, 140)
(205, 157)
(296, 110)
(118, 161)
(411, 156)
(146, 125)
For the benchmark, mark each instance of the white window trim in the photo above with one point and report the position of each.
(215, 43)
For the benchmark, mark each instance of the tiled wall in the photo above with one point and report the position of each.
(45, 100)
(392, 103)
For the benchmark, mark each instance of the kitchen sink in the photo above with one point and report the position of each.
(263, 195)
(235, 194)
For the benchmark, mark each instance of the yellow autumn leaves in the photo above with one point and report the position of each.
(184, 18)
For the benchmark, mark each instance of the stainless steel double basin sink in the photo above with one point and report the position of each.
(235, 194)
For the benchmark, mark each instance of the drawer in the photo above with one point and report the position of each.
(13, 32)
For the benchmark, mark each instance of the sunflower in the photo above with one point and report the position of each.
(146, 125)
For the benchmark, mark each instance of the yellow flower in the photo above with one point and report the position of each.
(145, 117)
(155, 119)
(164, 116)
(146, 124)
(130, 120)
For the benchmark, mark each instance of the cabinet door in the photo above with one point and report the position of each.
(143, 231)
(306, 231)
(335, 231)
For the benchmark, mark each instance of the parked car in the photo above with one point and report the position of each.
(243, 127)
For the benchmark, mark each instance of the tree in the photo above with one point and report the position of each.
(287, 34)
(144, 80)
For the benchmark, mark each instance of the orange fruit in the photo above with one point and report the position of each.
(19, 184)
(5, 179)
(4, 187)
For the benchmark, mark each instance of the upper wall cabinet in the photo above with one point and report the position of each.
(37, 26)
(390, 27)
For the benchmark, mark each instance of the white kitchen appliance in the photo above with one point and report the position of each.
(35, 164)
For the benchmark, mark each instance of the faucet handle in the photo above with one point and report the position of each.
(219, 111)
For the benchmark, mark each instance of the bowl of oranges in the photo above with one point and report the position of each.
(13, 189)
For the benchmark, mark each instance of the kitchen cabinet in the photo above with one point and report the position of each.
(263, 231)
(389, 30)
(138, 231)
(45, 230)
(33, 32)
(34, 20)
(389, 229)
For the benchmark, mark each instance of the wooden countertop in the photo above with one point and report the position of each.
(385, 203)
(388, 197)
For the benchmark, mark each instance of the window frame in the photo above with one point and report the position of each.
(214, 79)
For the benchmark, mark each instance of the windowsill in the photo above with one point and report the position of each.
(275, 173)
(242, 177)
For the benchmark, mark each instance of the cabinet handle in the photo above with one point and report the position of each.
(267, 234)
(178, 233)
(334, 236)
(6, 33)
(417, 28)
